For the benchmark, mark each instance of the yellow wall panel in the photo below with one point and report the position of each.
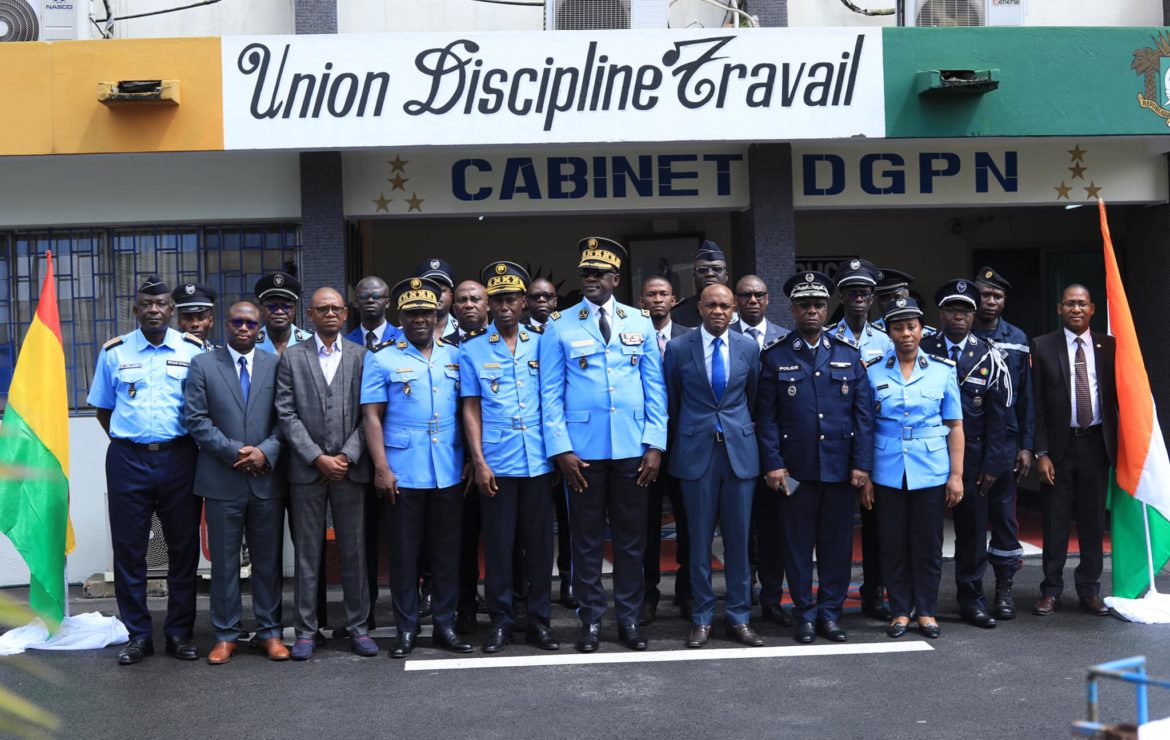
(26, 125)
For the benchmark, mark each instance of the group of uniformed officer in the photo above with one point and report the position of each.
(515, 406)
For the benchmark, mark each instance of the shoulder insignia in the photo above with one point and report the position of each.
(621, 312)
(523, 336)
(260, 337)
(189, 337)
(477, 333)
(879, 327)
(494, 338)
(440, 342)
(534, 328)
(874, 361)
(943, 360)
(769, 345)
(922, 361)
(113, 343)
(382, 345)
(646, 312)
(845, 340)
(400, 344)
(583, 313)
(890, 361)
(302, 335)
(974, 340)
(555, 315)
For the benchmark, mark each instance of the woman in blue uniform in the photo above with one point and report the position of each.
(917, 466)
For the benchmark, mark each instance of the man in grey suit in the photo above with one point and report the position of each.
(230, 414)
(318, 389)
(711, 378)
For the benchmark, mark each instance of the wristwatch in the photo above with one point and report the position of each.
(1040, 453)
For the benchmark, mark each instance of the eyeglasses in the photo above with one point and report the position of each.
(759, 295)
(327, 310)
(589, 272)
(371, 296)
(858, 293)
(240, 323)
(811, 305)
(279, 307)
(711, 270)
(1075, 304)
(541, 296)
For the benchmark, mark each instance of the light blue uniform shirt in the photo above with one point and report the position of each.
(909, 435)
(143, 385)
(508, 387)
(873, 342)
(602, 401)
(295, 335)
(420, 428)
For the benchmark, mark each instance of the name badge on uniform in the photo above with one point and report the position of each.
(787, 368)
(975, 381)
(130, 366)
(632, 338)
(178, 363)
(883, 386)
(840, 364)
(491, 365)
(582, 343)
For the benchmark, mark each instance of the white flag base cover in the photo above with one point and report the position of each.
(90, 631)
(1153, 608)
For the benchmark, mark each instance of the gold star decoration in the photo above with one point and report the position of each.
(398, 164)
(415, 203)
(1078, 154)
(1093, 190)
(1062, 190)
(398, 182)
(1078, 170)
(381, 203)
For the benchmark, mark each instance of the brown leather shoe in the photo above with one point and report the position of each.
(745, 635)
(1045, 606)
(1093, 605)
(221, 653)
(700, 634)
(275, 649)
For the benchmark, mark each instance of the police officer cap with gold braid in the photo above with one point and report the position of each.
(153, 285)
(416, 294)
(810, 284)
(504, 277)
(901, 309)
(599, 253)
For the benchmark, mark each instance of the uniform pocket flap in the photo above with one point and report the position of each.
(491, 373)
(934, 444)
(492, 435)
(584, 350)
(577, 416)
(397, 440)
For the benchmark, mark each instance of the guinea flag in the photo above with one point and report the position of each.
(34, 459)
(1143, 467)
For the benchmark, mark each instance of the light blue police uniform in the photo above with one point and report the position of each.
(872, 343)
(909, 434)
(602, 401)
(264, 342)
(142, 384)
(508, 386)
(420, 427)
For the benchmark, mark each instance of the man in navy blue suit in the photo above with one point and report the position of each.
(711, 377)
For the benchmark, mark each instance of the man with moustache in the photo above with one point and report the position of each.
(279, 293)
(195, 304)
(441, 272)
(709, 268)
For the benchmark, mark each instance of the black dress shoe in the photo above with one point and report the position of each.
(805, 632)
(647, 613)
(465, 622)
(831, 631)
(590, 638)
(449, 639)
(699, 636)
(630, 636)
(182, 648)
(568, 600)
(776, 614)
(897, 629)
(541, 636)
(498, 639)
(875, 608)
(745, 635)
(403, 645)
(980, 618)
(930, 629)
(1005, 604)
(135, 651)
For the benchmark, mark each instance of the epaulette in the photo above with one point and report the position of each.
(438, 343)
(382, 345)
(555, 315)
(646, 312)
(303, 335)
(189, 337)
(534, 328)
(845, 340)
(769, 345)
(944, 360)
(473, 334)
(401, 343)
(873, 361)
(113, 343)
(881, 328)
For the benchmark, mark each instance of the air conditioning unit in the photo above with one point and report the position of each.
(945, 13)
(42, 20)
(590, 15)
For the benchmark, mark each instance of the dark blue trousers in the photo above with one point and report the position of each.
(1004, 553)
(665, 488)
(769, 544)
(970, 517)
(430, 517)
(819, 516)
(519, 514)
(142, 482)
(910, 524)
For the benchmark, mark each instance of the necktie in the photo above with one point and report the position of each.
(718, 375)
(245, 379)
(1084, 400)
(371, 340)
(603, 324)
(754, 333)
(955, 350)
(661, 343)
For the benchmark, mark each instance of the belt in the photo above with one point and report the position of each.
(516, 422)
(888, 429)
(1086, 431)
(153, 446)
(431, 427)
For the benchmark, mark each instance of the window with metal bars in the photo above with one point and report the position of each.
(98, 273)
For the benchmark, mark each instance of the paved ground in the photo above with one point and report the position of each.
(1024, 679)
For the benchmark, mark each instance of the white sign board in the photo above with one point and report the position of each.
(444, 181)
(994, 172)
(541, 87)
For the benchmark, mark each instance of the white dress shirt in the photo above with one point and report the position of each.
(594, 314)
(1070, 341)
(247, 361)
(709, 349)
(961, 345)
(329, 357)
(762, 328)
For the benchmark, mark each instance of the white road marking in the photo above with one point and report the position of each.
(667, 656)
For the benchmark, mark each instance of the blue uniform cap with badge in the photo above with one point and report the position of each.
(416, 294)
(856, 272)
(890, 281)
(901, 309)
(278, 285)
(504, 277)
(599, 253)
(957, 294)
(436, 269)
(810, 284)
(709, 251)
(193, 298)
(989, 276)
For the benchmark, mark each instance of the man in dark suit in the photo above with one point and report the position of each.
(711, 378)
(318, 391)
(767, 536)
(658, 298)
(1075, 393)
(230, 414)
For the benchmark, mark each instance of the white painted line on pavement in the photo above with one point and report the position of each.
(667, 656)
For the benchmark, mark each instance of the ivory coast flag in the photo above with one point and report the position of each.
(34, 459)
(1143, 467)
